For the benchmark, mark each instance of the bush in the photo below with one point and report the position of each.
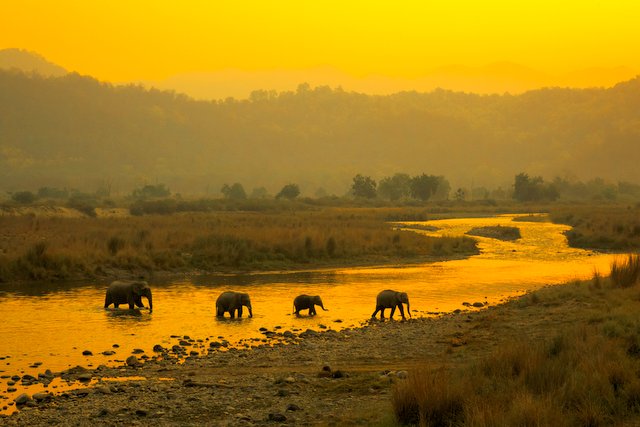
(23, 197)
(626, 273)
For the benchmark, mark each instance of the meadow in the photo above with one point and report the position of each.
(34, 247)
(585, 373)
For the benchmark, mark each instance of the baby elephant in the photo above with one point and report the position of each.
(128, 292)
(304, 302)
(231, 302)
(391, 299)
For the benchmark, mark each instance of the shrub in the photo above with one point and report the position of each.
(626, 273)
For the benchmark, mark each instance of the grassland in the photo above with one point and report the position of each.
(608, 227)
(585, 373)
(36, 247)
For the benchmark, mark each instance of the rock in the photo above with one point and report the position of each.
(466, 304)
(215, 344)
(337, 374)
(263, 329)
(478, 304)
(278, 418)
(103, 389)
(184, 343)
(42, 396)
(48, 373)
(158, 348)
(321, 326)
(193, 353)
(291, 407)
(137, 351)
(84, 377)
(22, 399)
(308, 334)
(141, 412)
(87, 353)
(288, 334)
(108, 353)
(11, 389)
(133, 361)
(290, 380)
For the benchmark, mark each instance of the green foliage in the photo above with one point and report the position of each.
(364, 187)
(23, 197)
(424, 187)
(52, 193)
(234, 192)
(289, 192)
(395, 187)
(528, 189)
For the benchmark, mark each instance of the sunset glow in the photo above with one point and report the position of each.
(153, 40)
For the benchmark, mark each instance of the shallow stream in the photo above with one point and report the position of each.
(51, 325)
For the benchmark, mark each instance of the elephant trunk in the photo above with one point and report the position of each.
(322, 307)
(150, 299)
(408, 309)
(250, 311)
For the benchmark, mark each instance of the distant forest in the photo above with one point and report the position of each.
(76, 132)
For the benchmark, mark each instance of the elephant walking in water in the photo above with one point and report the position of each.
(128, 292)
(391, 299)
(304, 302)
(232, 301)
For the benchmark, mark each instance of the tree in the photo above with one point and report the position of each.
(23, 197)
(289, 191)
(424, 186)
(363, 186)
(461, 194)
(395, 187)
(528, 189)
(235, 192)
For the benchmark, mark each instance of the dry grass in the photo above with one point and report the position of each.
(611, 227)
(33, 247)
(587, 374)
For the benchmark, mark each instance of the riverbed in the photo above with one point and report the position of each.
(47, 326)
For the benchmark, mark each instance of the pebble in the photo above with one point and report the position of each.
(84, 377)
(87, 353)
(22, 399)
(291, 407)
(42, 396)
(279, 418)
(108, 353)
(133, 361)
(137, 351)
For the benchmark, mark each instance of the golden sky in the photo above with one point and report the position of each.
(128, 40)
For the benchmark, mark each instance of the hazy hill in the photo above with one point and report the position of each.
(76, 131)
(29, 62)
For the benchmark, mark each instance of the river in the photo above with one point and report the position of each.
(51, 325)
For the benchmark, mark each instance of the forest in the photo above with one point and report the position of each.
(76, 132)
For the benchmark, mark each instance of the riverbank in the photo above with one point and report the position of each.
(327, 377)
(52, 248)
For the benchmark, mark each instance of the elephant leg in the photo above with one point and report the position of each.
(219, 312)
(116, 305)
(312, 311)
(401, 311)
(376, 312)
(382, 313)
(240, 311)
(393, 310)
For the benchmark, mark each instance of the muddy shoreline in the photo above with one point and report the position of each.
(307, 378)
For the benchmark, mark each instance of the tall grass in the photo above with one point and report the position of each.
(625, 273)
(39, 247)
(612, 227)
(587, 374)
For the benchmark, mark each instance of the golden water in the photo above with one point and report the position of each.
(54, 324)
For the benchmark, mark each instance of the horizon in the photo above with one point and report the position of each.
(203, 49)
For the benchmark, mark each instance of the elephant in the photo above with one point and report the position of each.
(128, 292)
(391, 299)
(232, 301)
(304, 302)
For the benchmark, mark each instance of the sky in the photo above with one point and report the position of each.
(141, 40)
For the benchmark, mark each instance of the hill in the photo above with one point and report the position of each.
(78, 132)
(29, 62)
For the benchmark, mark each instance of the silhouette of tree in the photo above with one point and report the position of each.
(363, 186)
(289, 191)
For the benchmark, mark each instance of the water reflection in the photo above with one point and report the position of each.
(55, 323)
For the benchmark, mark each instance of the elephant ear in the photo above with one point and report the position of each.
(137, 287)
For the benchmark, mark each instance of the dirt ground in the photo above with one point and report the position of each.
(313, 378)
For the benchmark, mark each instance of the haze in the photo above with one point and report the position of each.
(218, 49)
